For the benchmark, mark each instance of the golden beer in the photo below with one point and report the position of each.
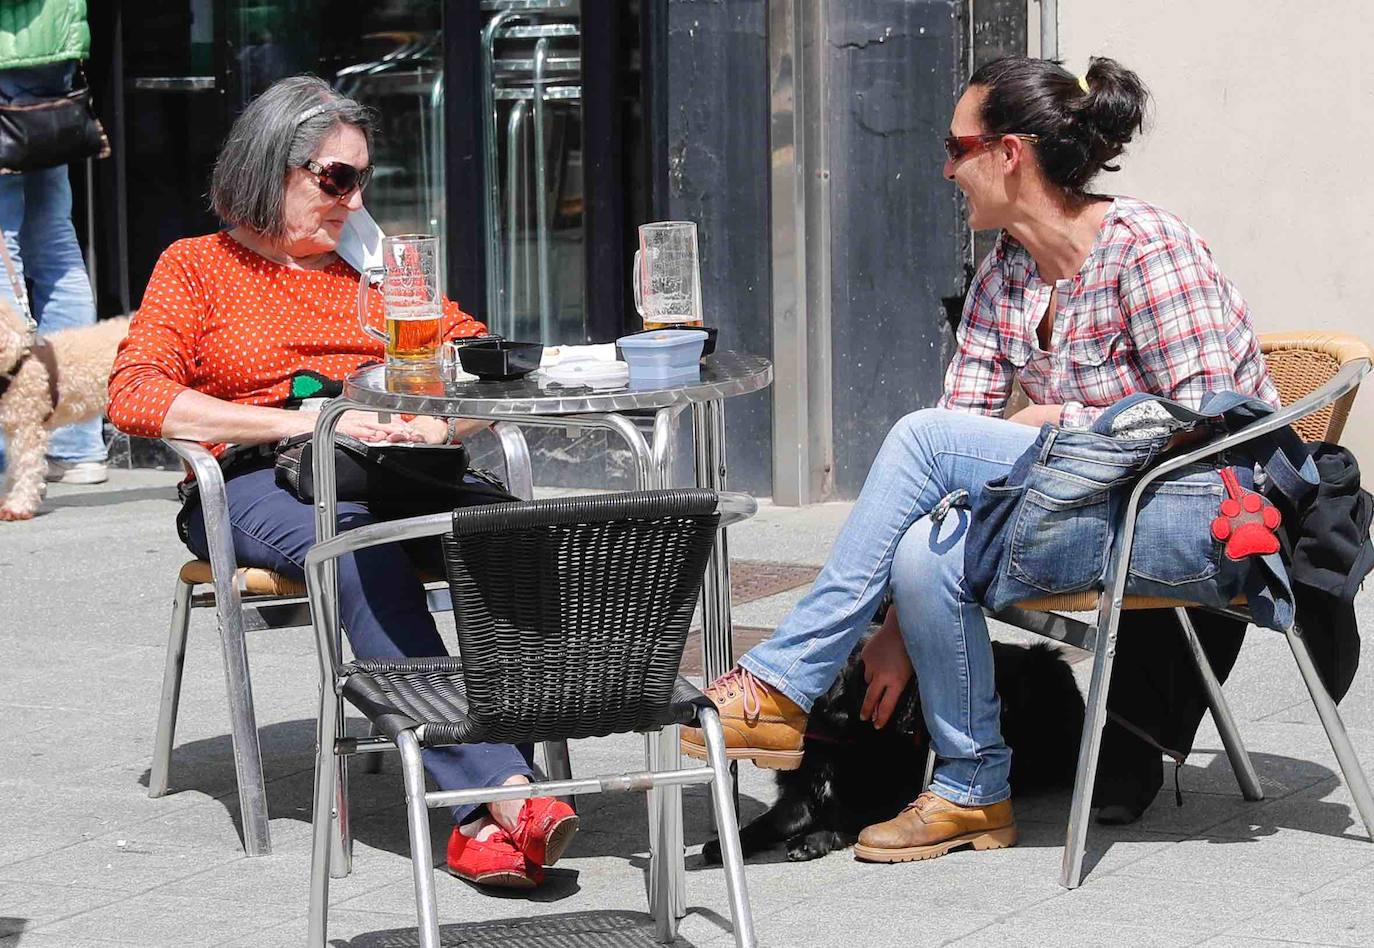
(413, 337)
(673, 324)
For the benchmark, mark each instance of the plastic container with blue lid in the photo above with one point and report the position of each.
(663, 354)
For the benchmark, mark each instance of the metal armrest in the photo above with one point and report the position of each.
(1347, 379)
(214, 507)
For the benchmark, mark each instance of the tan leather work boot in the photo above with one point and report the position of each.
(761, 723)
(932, 826)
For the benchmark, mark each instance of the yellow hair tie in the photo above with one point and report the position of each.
(1083, 84)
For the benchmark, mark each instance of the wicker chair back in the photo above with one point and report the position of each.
(572, 613)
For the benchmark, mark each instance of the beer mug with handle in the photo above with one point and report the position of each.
(409, 280)
(667, 275)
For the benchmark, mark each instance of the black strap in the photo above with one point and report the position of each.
(42, 351)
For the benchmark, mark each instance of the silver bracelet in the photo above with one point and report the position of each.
(452, 437)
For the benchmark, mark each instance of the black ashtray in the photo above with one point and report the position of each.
(707, 347)
(498, 360)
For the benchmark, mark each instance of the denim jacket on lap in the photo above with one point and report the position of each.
(1048, 525)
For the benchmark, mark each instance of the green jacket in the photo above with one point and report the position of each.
(37, 32)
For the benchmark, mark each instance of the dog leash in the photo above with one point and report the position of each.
(40, 349)
(21, 294)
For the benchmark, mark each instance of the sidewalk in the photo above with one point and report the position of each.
(87, 859)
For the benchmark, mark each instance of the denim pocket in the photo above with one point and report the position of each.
(1084, 457)
(1060, 545)
(1173, 535)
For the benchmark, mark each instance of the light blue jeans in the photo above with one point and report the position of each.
(36, 217)
(890, 540)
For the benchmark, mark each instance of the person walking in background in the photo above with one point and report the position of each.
(40, 44)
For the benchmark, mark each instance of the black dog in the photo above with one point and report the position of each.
(853, 775)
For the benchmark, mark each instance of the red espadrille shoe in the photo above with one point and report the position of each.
(493, 861)
(544, 829)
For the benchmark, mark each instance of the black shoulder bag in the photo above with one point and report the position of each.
(45, 133)
(394, 479)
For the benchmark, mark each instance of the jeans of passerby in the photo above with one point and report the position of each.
(36, 217)
(889, 540)
(381, 602)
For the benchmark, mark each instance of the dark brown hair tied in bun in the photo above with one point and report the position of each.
(1080, 132)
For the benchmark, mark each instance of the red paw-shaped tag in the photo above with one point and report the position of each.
(1247, 521)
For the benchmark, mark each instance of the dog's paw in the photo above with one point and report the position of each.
(814, 845)
(10, 513)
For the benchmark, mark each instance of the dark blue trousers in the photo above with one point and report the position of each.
(381, 602)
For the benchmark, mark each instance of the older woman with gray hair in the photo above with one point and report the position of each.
(236, 331)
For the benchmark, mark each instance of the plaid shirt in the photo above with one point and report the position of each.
(1148, 312)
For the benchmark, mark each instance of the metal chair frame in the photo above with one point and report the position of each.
(233, 609)
(1099, 638)
(662, 770)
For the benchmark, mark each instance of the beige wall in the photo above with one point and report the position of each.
(1241, 89)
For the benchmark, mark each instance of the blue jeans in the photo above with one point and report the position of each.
(36, 217)
(889, 540)
(381, 603)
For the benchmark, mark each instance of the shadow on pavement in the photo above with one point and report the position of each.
(613, 824)
(574, 930)
(108, 498)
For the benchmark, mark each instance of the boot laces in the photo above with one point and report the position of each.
(739, 681)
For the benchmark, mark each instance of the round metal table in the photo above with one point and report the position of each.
(536, 401)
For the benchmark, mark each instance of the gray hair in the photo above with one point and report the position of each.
(279, 130)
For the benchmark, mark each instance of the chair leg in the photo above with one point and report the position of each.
(670, 822)
(1104, 651)
(160, 777)
(558, 766)
(659, 884)
(322, 822)
(257, 839)
(929, 777)
(341, 835)
(1351, 770)
(731, 853)
(1241, 764)
(421, 857)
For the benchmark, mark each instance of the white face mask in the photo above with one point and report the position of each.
(360, 244)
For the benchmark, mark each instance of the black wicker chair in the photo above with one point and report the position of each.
(572, 615)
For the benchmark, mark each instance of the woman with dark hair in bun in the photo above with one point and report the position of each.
(1084, 300)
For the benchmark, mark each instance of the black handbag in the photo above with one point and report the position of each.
(397, 479)
(46, 133)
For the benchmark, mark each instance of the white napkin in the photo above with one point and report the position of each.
(558, 355)
(594, 373)
(360, 244)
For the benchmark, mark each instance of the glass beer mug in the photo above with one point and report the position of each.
(667, 275)
(409, 281)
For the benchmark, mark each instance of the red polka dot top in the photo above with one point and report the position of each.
(223, 320)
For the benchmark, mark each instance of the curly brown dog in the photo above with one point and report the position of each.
(82, 358)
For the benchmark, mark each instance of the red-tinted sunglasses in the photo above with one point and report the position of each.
(957, 146)
(338, 179)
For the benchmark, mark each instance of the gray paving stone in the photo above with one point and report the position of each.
(28, 904)
(1337, 914)
(1077, 934)
(78, 757)
(1205, 908)
(157, 919)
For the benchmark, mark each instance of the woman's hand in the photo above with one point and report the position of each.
(367, 427)
(1037, 415)
(887, 669)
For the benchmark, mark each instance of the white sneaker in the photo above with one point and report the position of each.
(78, 472)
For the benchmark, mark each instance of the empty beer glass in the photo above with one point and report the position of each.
(667, 275)
(409, 282)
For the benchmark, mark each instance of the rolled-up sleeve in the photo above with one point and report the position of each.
(458, 324)
(155, 362)
(979, 376)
